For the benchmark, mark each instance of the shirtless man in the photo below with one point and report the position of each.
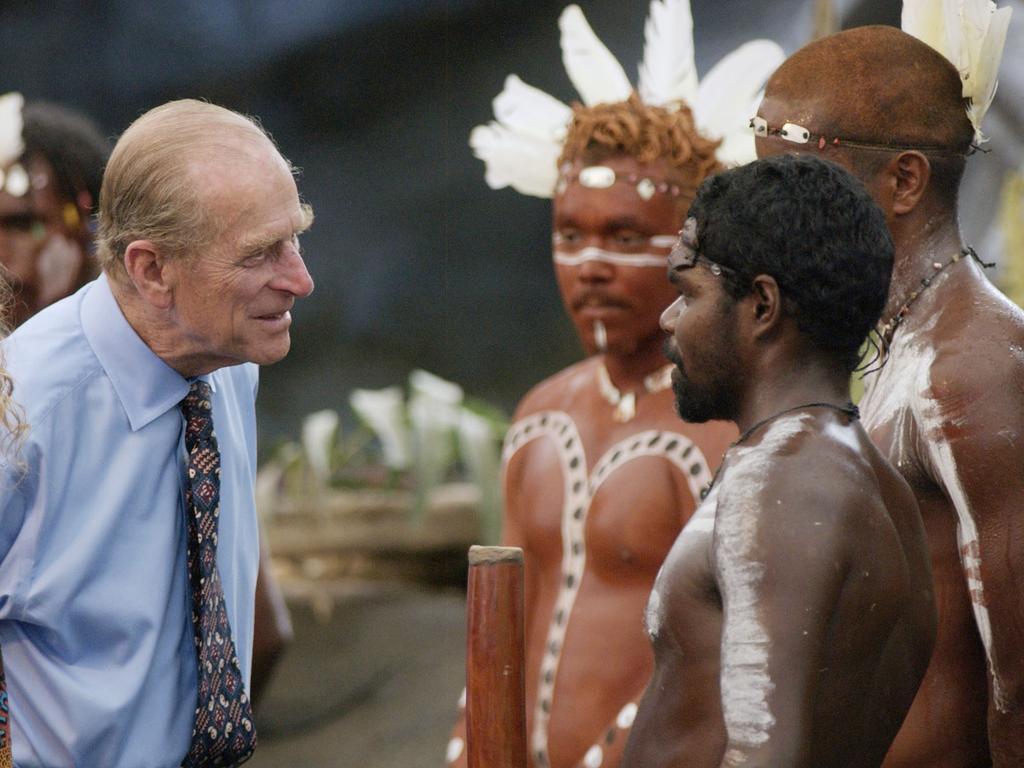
(47, 199)
(600, 476)
(946, 407)
(793, 618)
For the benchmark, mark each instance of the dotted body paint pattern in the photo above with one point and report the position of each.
(579, 489)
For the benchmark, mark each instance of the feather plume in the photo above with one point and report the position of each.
(528, 165)
(924, 19)
(531, 112)
(11, 144)
(985, 69)
(729, 95)
(971, 34)
(668, 73)
(595, 73)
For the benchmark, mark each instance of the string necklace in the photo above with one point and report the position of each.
(887, 330)
(625, 402)
(849, 409)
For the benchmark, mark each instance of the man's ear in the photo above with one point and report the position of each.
(913, 174)
(152, 274)
(766, 306)
(902, 182)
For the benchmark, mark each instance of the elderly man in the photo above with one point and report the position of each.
(946, 406)
(128, 538)
(793, 618)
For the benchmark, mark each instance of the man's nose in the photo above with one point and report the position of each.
(596, 270)
(293, 276)
(669, 316)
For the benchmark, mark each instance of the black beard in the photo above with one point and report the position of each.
(697, 405)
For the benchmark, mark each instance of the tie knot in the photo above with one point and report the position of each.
(197, 401)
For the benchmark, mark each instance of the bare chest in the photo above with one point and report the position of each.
(618, 499)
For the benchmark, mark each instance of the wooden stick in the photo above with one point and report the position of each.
(495, 678)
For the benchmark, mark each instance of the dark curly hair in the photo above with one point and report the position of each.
(72, 144)
(814, 228)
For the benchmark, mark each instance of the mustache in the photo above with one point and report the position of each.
(671, 353)
(597, 298)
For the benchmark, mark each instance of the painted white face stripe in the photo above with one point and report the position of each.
(611, 257)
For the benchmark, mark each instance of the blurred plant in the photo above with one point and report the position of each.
(415, 442)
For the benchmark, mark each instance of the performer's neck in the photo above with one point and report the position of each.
(920, 245)
(783, 384)
(628, 370)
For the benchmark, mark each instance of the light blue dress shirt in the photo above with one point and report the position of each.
(95, 614)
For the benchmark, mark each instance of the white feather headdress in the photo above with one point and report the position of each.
(11, 144)
(520, 147)
(971, 34)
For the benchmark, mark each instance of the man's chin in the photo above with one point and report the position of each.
(270, 352)
(694, 407)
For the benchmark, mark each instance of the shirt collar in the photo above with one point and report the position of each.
(146, 386)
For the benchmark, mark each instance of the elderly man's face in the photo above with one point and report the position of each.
(233, 300)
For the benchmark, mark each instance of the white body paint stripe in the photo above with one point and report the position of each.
(745, 679)
(901, 388)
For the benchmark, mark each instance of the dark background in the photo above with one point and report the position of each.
(417, 262)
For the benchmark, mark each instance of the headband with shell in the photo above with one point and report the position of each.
(521, 146)
(971, 34)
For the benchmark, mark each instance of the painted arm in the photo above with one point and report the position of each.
(776, 611)
(975, 448)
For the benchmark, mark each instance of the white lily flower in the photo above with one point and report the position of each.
(383, 411)
(435, 388)
(319, 431)
(11, 143)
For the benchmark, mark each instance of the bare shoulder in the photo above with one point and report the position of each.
(979, 346)
(806, 473)
(557, 392)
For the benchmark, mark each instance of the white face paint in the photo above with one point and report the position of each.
(898, 395)
(745, 681)
(600, 337)
(592, 253)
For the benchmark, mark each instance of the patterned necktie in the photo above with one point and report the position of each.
(224, 733)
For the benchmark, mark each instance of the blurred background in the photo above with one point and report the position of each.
(417, 263)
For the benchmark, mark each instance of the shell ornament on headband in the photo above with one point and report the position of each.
(971, 34)
(520, 147)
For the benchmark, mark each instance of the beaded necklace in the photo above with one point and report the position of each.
(888, 329)
(849, 409)
(625, 402)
